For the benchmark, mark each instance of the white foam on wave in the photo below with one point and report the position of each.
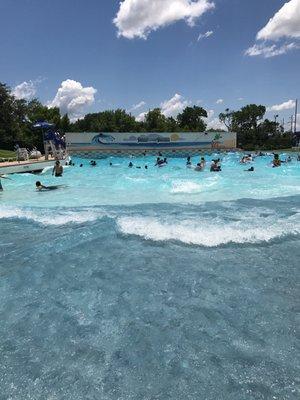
(52, 217)
(191, 187)
(210, 232)
(186, 187)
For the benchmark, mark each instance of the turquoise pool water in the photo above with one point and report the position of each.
(163, 283)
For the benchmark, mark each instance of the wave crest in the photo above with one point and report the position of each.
(210, 232)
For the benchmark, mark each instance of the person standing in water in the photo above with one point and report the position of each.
(58, 169)
(3, 177)
(202, 163)
(276, 161)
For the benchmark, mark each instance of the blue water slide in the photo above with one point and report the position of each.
(50, 133)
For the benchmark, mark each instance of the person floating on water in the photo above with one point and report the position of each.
(93, 163)
(3, 177)
(250, 169)
(276, 161)
(58, 169)
(41, 187)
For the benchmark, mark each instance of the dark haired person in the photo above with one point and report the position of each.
(41, 187)
(215, 166)
(57, 169)
(203, 163)
(276, 161)
(3, 177)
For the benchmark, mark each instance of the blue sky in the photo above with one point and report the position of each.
(44, 43)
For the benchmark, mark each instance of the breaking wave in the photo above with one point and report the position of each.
(209, 232)
(49, 217)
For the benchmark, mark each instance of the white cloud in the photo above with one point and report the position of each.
(298, 123)
(268, 51)
(137, 18)
(210, 114)
(240, 98)
(25, 90)
(173, 106)
(220, 101)
(205, 35)
(137, 106)
(214, 122)
(74, 99)
(141, 117)
(287, 105)
(285, 23)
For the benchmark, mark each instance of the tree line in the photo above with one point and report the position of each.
(17, 117)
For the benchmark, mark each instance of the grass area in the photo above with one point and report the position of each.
(7, 154)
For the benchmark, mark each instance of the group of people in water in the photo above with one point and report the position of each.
(162, 162)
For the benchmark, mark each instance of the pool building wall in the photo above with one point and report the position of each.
(100, 145)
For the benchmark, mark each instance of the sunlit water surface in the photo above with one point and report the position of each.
(158, 283)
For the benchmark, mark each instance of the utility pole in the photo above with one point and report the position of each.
(296, 112)
(275, 119)
(292, 123)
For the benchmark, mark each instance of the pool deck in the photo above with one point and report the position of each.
(28, 166)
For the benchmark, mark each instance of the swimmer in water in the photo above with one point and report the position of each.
(198, 168)
(188, 162)
(41, 187)
(276, 161)
(249, 170)
(130, 165)
(215, 167)
(57, 169)
(157, 161)
(203, 163)
(3, 177)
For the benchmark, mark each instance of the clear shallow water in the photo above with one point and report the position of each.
(158, 284)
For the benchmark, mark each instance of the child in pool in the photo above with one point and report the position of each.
(41, 187)
(3, 177)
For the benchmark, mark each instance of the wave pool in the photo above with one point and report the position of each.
(152, 284)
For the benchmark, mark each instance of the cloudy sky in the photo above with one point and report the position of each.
(91, 55)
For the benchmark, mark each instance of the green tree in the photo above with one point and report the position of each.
(65, 124)
(11, 118)
(191, 119)
(226, 118)
(155, 121)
